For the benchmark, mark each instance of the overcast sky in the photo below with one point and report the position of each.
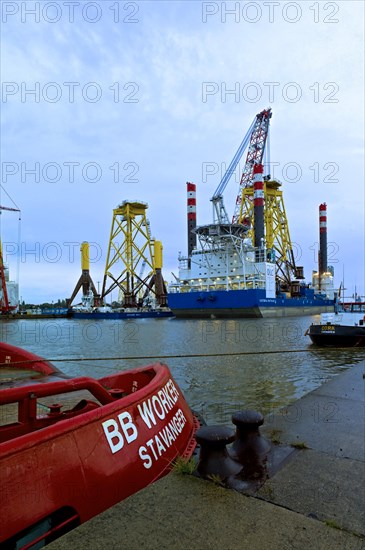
(108, 101)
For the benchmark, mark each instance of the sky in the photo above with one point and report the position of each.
(108, 101)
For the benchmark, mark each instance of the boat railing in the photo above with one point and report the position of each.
(12, 395)
(26, 413)
(26, 418)
(356, 307)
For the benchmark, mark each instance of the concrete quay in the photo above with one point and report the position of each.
(315, 497)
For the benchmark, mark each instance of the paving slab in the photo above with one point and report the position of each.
(328, 424)
(183, 512)
(347, 384)
(330, 419)
(321, 486)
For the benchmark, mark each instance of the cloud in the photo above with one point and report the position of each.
(162, 139)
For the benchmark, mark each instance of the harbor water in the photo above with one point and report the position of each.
(221, 365)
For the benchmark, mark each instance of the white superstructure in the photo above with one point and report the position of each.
(12, 289)
(225, 260)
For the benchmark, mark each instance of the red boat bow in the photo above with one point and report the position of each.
(65, 459)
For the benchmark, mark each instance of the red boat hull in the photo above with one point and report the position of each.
(72, 465)
(21, 358)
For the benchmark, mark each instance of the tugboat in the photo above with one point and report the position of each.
(342, 328)
(72, 447)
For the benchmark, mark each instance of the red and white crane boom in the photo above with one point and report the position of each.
(255, 139)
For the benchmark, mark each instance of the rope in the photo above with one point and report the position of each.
(182, 356)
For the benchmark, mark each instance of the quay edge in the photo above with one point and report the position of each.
(313, 501)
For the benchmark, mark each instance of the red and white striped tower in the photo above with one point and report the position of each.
(258, 203)
(191, 204)
(322, 252)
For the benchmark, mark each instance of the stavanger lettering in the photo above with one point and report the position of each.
(123, 430)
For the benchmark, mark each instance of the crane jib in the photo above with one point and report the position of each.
(233, 165)
(11, 209)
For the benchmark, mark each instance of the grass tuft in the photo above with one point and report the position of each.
(267, 491)
(299, 445)
(216, 479)
(333, 523)
(275, 436)
(184, 466)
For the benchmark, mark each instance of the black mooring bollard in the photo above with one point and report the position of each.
(250, 448)
(214, 458)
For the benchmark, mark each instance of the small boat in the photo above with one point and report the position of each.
(342, 328)
(72, 447)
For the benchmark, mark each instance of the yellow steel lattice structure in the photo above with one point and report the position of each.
(130, 260)
(277, 237)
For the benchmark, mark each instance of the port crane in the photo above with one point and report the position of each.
(277, 238)
(255, 138)
(5, 306)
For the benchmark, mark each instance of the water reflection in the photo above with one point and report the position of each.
(216, 386)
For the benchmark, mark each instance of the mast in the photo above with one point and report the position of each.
(191, 215)
(322, 252)
(259, 204)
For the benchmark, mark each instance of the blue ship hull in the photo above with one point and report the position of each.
(245, 303)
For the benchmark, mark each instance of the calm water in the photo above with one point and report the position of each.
(214, 386)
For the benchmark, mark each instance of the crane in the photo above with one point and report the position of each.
(8, 208)
(255, 139)
(259, 132)
(277, 237)
(5, 306)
